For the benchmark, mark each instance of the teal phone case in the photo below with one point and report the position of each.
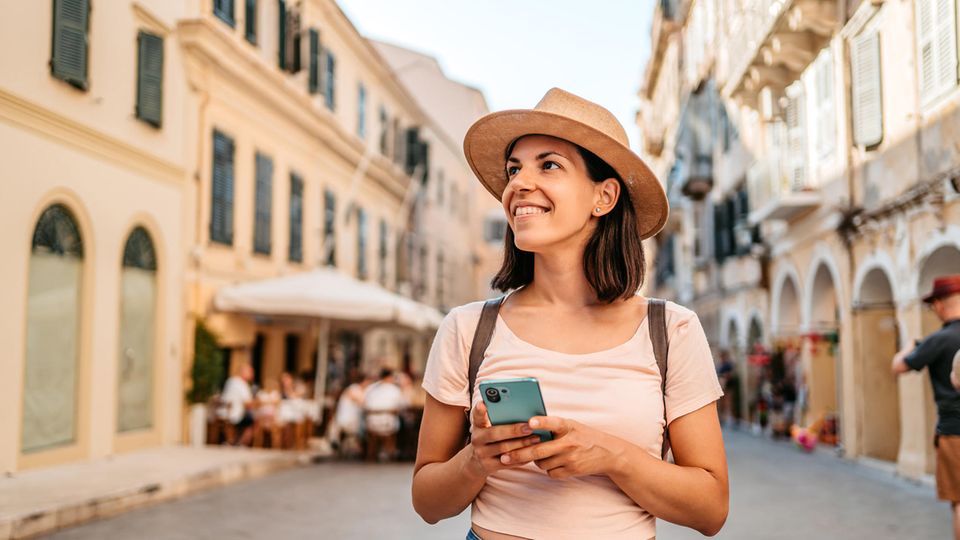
(512, 401)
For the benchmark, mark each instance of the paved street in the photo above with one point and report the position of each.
(776, 493)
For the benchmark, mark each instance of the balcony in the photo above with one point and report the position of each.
(778, 190)
(770, 42)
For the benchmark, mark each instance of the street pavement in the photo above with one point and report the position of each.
(777, 492)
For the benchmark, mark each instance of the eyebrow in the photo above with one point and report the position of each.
(512, 159)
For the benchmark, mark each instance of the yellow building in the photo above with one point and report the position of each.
(160, 154)
(816, 185)
(92, 134)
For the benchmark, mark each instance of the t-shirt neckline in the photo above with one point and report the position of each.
(510, 333)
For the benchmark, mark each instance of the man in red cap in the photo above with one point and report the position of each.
(936, 352)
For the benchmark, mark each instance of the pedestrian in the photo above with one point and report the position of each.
(345, 431)
(936, 352)
(730, 382)
(578, 202)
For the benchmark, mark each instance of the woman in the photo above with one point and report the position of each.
(578, 203)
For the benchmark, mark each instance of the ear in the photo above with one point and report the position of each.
(606, 194)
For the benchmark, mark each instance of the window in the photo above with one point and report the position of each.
(221, 203)
(71, 26)
(384, 238)
(313, 79)
(250, 21)
(936, 47)
(296, 218)
(361, 111)
(138, 301)
(329, 228)
(291, 353)
(796, 158)
(826, 119)
(384, 128)
(495, 229)
(422, 278)
(329, 82)
(263, 204)
(289, 38)
(223, 9)
(150, 78)
(361, 243)
(397, 142)
(53, 332)
(867, 106)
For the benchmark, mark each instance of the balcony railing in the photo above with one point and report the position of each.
(778, 191)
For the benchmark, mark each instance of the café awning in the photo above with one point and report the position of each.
(326, 294)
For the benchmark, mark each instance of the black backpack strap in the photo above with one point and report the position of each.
(481, 339)
(657, 319)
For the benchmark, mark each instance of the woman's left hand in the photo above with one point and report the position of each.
(576, 449)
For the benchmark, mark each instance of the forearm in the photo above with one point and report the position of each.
(443, 490)
(688, 496)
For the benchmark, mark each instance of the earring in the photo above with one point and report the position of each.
(598, 209)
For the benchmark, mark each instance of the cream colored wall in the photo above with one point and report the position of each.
(86, 150)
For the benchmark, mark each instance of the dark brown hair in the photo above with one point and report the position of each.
(613, 260)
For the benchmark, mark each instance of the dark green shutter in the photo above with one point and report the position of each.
(71, 24)
(313, 81)
(250, 21)
(150, 79)
(263, 193)
(330, 80)
(329, 227)
(361, 243)
(282, 18)
(221, 204)
(223, 9)
(296, 218)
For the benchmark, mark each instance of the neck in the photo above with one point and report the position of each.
(559, 281)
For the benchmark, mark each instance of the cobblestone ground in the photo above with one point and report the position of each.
(776, 493)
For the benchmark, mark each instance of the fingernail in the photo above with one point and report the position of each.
(534, 423)
(504, 459)
(526, 429)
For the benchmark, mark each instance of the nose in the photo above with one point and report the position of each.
(522, 181)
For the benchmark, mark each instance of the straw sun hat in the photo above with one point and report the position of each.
(565, 116)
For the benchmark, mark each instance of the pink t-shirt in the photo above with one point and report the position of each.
(616, 391)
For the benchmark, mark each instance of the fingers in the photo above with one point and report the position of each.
(479, 416)
(558, 426)
(535, 452)
(502, 433)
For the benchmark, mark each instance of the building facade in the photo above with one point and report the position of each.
(817, 193)
(157, 153)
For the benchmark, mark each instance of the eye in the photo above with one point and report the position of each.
(512, 170)
(548, 165)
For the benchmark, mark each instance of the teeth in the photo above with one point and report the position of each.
(527, 210)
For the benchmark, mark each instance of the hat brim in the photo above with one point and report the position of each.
(486, 142)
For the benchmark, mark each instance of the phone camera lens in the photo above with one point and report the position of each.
(493, 395)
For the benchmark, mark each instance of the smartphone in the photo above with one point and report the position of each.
(512, 401)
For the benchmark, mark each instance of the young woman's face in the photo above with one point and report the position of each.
(549, 198)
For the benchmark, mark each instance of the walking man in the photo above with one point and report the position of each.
(937, 352)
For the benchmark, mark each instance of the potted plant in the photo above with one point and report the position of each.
(206, 376)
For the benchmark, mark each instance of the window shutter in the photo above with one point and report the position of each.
(263, 206)
(292, 39)
(282, 34)
(296, 218)
(71, 23)
(718, 215)
(329, 227)
(946, 45)
(150, 79)
(330, 80)
(250, 21)
(223, 9)
(361, 111)
(221, 214)
(313, 80)
(361, 243)
(867, 107)
(796, 158)
(826, 120)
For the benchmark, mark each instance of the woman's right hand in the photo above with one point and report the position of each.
(488, 442)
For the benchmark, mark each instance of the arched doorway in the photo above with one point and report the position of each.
(822, 353)
(53, 332)
(138, 306)
(875, 325)
(942, 261)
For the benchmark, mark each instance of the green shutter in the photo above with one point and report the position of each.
(263, 193)
(150, 79)
(223, 9)
(250, 21)
(282, 33)
(221, 201)
(330, 80)
(71, 24)
(296, 218)
(313, 81)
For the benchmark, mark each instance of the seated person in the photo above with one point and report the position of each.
(383, 403)
(238, 397)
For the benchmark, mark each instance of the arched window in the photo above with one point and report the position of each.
(53, 332)
(138, 302)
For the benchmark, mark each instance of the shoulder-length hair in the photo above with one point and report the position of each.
(613, 259)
